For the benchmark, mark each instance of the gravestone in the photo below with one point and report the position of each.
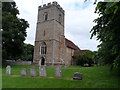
(39, 63)
(77, 76)
(32, 71)
(42, 71)
(23, 72)
(8, 70)
(58, 71)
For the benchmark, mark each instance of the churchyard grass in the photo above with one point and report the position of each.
(93, 77)
(0, 78)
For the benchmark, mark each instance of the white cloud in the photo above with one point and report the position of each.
(79, 24)
(79, 16)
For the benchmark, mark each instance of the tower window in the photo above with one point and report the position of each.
(43, 49)
(44, 33)
(60, 18)
(45, 16)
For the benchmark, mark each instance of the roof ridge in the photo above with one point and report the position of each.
(70, 44)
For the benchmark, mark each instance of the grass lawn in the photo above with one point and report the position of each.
(0, 78)
(93, 77)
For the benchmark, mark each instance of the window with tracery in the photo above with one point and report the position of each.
(43, 49)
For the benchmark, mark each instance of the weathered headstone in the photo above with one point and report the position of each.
(39, 63)
(58, 71)
(8, 70)
(23, 72)
(86, 65)
(42, 71)
(77, 76)
(33, 71)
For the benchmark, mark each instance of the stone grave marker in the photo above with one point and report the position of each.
(39, 63)
(77, 76)
(58, 71)
(42, 71)
(23, 72)
(32, 71)
(8, 70)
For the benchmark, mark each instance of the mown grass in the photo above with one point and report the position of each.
(93, 77)
(0, 78)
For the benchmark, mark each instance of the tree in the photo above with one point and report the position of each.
(27, 54)
(0, 15)
(85, 58)
(107, 30)
(0, 33)
(13, 31)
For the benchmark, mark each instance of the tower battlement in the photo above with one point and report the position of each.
(51, 4)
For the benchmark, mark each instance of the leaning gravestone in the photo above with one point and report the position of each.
(77, 76)
(32, 71)
(42, 71)
(23, 72)
(8, 70)
(58, 72)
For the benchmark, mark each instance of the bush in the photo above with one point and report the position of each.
(85, 59)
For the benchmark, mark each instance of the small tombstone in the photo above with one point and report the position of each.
(86, 65)
(8, 70)
(42, 71)
(23, 72)
(39, 63)
(32, 71)
(58, 72)
(77, 76)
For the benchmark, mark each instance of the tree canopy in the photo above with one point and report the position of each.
(13, 31)
(107, 30)
(27, 54)
(87, 58)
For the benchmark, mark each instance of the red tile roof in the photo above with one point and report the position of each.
(71, 45)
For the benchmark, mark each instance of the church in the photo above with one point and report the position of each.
(51, 46)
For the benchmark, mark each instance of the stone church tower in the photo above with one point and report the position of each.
(50, 40)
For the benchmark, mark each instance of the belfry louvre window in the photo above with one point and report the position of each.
(45, 16)
(43, 49)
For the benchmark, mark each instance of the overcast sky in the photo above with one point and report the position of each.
(79, 16)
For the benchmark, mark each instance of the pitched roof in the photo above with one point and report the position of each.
(71, 45)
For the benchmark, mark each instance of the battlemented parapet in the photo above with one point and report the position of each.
(51, 4)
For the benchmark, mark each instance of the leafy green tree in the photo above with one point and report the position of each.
(107, 30)
(27, 55)
(13, 31)
(0, 33)
(85, 58)
(0, 15)
(79, 59)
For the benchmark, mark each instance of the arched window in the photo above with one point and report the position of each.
(43, 49)
(45, 16)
